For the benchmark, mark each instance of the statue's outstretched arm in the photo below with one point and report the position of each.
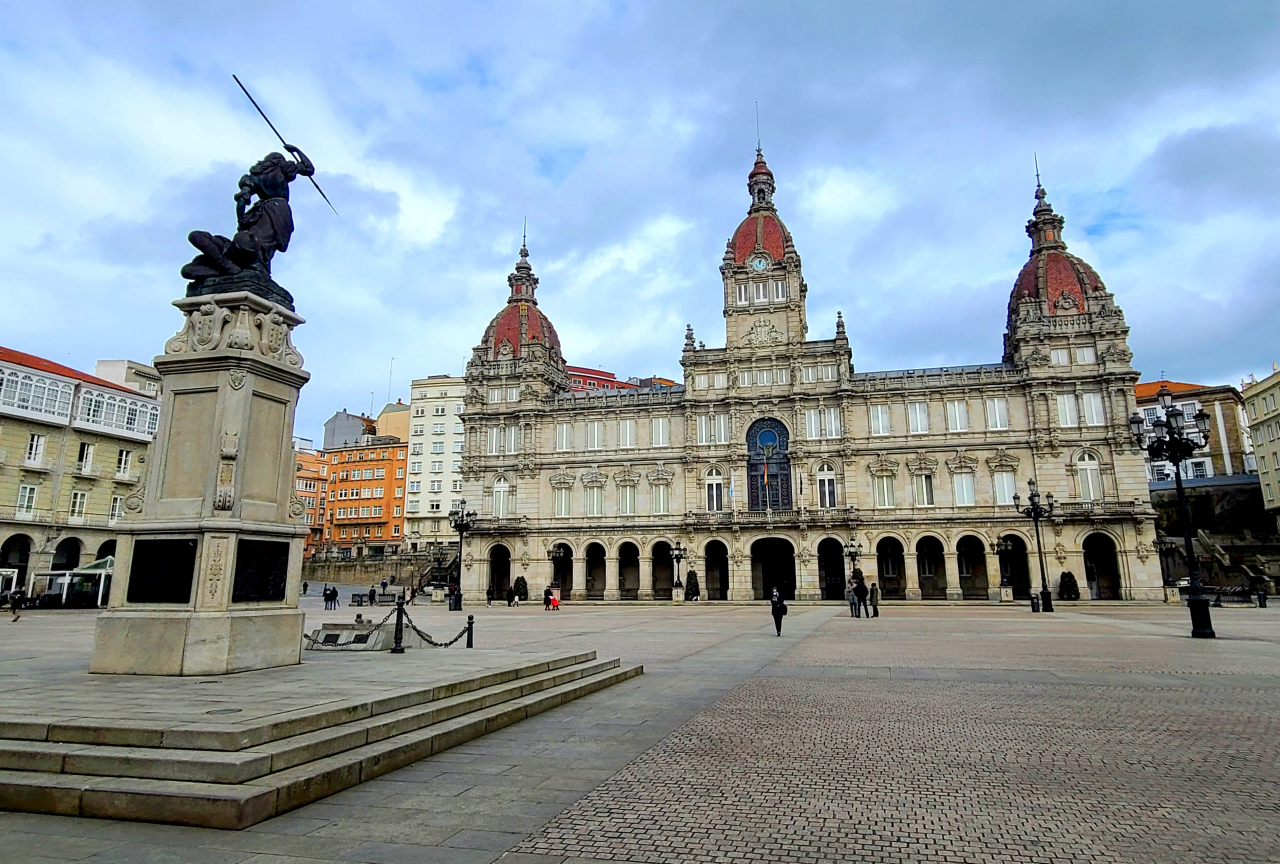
(305, 168)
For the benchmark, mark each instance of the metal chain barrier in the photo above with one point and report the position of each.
(426, 637)
(349, 645)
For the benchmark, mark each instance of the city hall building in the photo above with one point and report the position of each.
(776, 456)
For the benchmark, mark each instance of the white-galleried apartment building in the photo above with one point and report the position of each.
(434, 481)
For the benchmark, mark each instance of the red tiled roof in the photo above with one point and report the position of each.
(764, 228)
(1149, 389)
(40, 364)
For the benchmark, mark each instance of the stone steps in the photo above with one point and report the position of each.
(283, 764)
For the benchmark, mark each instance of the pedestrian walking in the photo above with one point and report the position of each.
(779, 610)
(853, 599)
(546, 599)
(373, 596)
(304, 588)
(874, 597)
(325, 594)
(15, 603)
(488, 596)
(860, 597)
(384, 586)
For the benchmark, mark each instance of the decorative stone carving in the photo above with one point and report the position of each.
(1003, 460)
(626, 477)
(962, 462)
(562, 480)
(1037, 357)
(921, 463)
(883, 466)
(236, 377)
(1117, 353)
(217, 566)
(661, 476)
(594, 477)
(1060, 552)
(133, 501)
(763, 334)
(225, 497)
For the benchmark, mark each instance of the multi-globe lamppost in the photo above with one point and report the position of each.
(1173, 441)
(461, 520)
(1035, 513)
(677, 555)
(853, 550)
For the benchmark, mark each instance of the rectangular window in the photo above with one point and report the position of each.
(917, 417)
(379, 473)
(1093, 412)
(415, 449)
(782, 375)
(1067, 415)
(746, 378)
(998, 413)
(713, 429)
(377, 511)
(1199, 469)
(415, 486)
(962, 486)
(84, 461)
(419, 429)
(924, 490)
(626, 433)
(26, 500)
(513, 439)
(437, 447)
(595, 500)
(435, 466)
(743, 299)
(500, 493)
(883, 490)
(457, 446)
(721, 380)
(779, 290)
(700, 381)
(434, 505)
(1060, 356)
(413, 506)
(368, 474)
(826, 492)
(813, 423)
(661, 498)
(1150, 415)
(124, 462)
(562, 502)
(880, 420)
(416, 467)
(1086, 354)
(957, 416)
(1006, 485)
(117, 508)
(435, 486)
(35, 449)
(761, 292)
(78, 502)
(626, 500)
(495, 440)
(437, 411)
(495, 394)
(595, 434)
(661, 432)
(764, 377)
(513, 394)
(437, 428)
(715, 496)
(810, 374)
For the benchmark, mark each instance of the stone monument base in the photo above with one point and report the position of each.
(150, 642)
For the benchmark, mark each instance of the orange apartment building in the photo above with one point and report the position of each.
(312, 488)
(365, 513)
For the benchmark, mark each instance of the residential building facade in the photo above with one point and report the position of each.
(1262, 406)
(72, 452)
(435, 459)
(776, 457)
(345, 429)
(312, 487)
(365, 513)
(1230, 449)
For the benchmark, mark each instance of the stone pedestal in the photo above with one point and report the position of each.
(1006, 594)
(209, 560)
(1172, 594)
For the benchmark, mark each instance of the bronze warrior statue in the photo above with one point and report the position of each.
(265, 225)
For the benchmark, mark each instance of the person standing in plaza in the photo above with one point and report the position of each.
(860, 597)
(779, 609)
(305, 586)
(488, 596)
(874, 598)
(15, 603)
(546, 599)
(853, 597)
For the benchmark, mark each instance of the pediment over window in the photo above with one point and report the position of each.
(883, 466)
(594, 477)
(1003, 460)
(962, 462)
(626, 477)
(921, 463)
(562, 480)
(661, 476)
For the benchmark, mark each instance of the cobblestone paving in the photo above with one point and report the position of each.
(1035, 768)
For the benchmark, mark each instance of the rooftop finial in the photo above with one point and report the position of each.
(758, 149)
(524, 239)
(1036, 157)
(840, 332)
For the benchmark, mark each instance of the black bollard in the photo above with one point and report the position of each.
(471, 626)
(398, 648)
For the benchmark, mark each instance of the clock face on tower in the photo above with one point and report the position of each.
(759, 264)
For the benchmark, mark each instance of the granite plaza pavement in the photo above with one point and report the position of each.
(934, 733)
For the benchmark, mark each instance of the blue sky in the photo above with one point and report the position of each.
(901, 136)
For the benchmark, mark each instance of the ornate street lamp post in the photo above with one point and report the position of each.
(677, 555)
(1035, 513)
(1174, 442)
(1003, 548)
(461, 520)
(852, 550)
(555, 552)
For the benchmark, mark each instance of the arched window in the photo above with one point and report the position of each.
(826, 486)
(501, 495)
(1089, 476)
(715, 490)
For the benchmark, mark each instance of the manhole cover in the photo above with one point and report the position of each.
(224, 711)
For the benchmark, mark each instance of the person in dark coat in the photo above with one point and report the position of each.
(779, 609)
(305, 586)
(488, 596)
(511, 596)
(853, 599)
(860, 596)
(373, 596)
(874, 597)
(546, 599)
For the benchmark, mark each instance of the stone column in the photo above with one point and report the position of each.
(209, 558)
(913, 575)
(646, 578)
(954, 591)
(579, 591)
(807, 587)
(740, 578)
(611, 591)
(994, 592)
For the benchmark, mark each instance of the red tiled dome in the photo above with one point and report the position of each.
(516, 326)
(1053, 273)
(764, 230)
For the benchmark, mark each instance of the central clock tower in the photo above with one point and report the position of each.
(764, 289)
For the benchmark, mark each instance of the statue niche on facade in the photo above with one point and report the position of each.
(243, 262)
